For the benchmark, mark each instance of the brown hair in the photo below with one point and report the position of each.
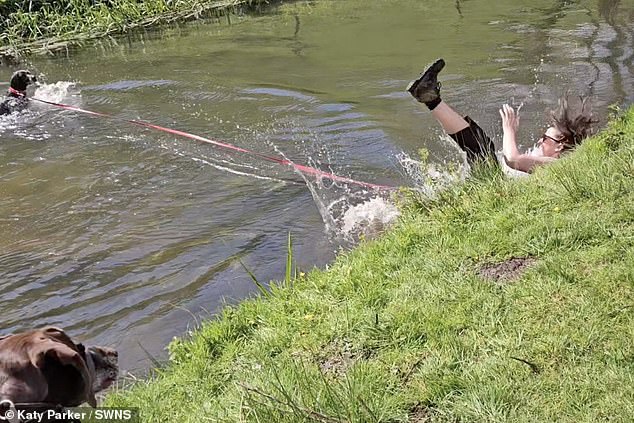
(575, 125)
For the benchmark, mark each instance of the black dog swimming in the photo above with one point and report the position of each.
(16, 98)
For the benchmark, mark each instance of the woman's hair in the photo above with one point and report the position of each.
(576, 125)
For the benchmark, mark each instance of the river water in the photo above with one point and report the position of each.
(128, 237)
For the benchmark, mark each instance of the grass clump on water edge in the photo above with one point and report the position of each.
(417, 326)
(43, 26)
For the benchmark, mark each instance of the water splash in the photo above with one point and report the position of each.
(57, 92)
(32, 123)
(349, 212)
(429, 178)
(368, 218)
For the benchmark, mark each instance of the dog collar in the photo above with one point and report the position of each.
(17, 92)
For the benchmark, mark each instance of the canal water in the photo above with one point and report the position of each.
(128, 237)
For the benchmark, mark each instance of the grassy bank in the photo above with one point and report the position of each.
(416, 327)
(46, 26)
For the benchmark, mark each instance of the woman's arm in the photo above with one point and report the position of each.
(512, 156)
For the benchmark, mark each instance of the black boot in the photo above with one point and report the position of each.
(426, 89)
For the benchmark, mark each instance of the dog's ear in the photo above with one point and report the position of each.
(54, 345)
(57, 351)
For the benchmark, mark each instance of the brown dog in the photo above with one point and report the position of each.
(46, 366)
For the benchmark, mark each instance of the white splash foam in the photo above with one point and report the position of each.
(374, 215)
(29, 123)
(54, 92)
(428, 178)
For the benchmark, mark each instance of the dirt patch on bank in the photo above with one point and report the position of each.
(337, 365)
(338, 358)
(507, 271)
(419, 414)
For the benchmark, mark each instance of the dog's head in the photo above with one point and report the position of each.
(21, 80)
(46, 365)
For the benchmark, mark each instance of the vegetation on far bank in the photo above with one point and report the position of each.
(43, 26)
(417, 326)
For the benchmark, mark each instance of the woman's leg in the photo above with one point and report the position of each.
(469, 136)
(426, 89)
(450, 120)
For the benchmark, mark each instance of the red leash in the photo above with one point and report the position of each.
(301, 168)
(16, 92)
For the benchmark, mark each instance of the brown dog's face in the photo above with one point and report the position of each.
(22, 79)
(106, 361)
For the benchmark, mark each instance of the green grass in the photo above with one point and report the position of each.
(404, 329)
(56, 25)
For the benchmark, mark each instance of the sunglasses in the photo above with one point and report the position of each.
(561, 140)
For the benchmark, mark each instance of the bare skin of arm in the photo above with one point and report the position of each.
(514, 159)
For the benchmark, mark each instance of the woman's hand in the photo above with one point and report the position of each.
(510, 119)
(512, 156)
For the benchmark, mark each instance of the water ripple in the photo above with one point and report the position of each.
(126, 85)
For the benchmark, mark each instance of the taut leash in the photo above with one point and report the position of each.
(285, 162)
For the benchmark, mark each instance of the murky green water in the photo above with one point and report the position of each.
(123, 235)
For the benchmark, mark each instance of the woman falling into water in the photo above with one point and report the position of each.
(567, 128)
